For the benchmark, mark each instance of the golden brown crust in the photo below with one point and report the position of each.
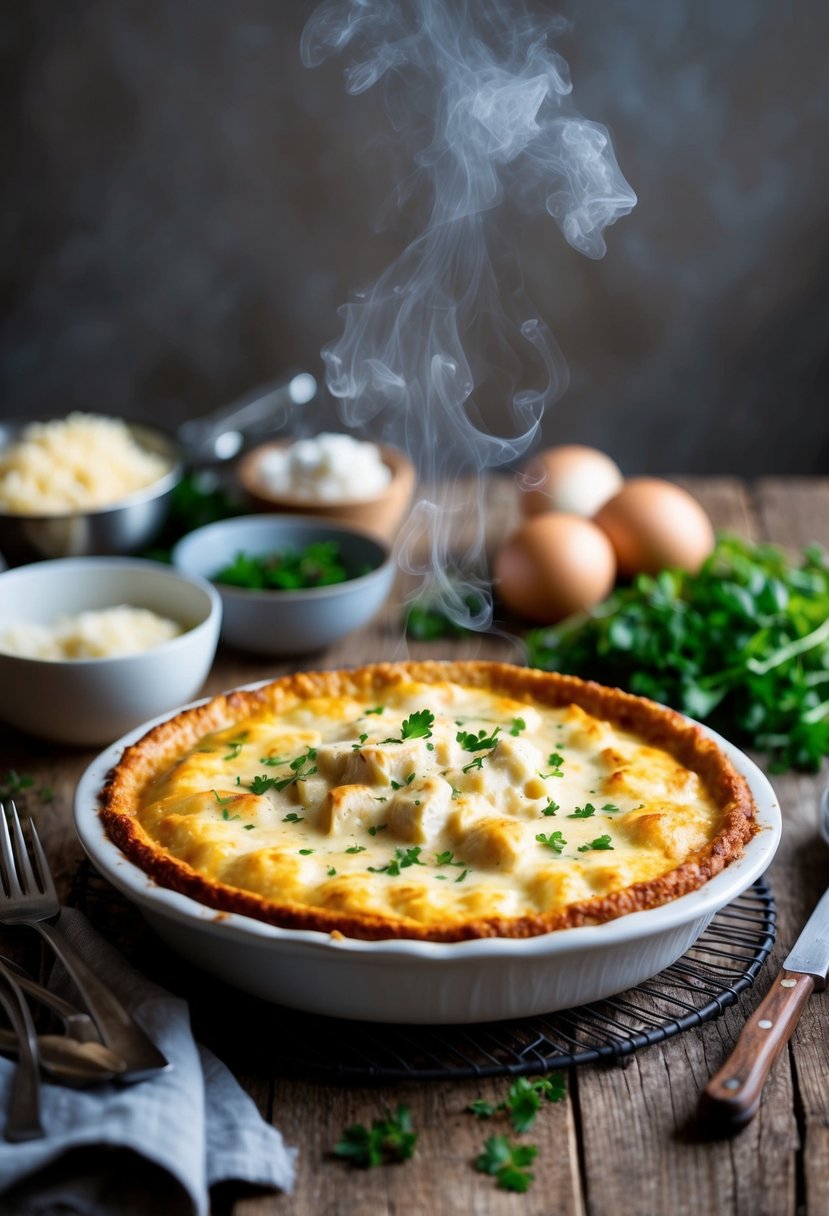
(654, 724)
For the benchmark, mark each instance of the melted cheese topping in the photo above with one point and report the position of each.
(442, 805)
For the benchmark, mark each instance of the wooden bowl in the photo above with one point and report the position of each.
(381, 514)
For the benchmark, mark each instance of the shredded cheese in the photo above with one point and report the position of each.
(101, 634)
(82, 461)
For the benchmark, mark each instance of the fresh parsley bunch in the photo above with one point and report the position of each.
(742, 645)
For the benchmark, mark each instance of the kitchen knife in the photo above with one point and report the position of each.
(733, 1094)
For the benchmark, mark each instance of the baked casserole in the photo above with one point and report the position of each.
(434, 801)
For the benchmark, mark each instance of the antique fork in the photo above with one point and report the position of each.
(28, 897)
(77, 1025)
(23, 1115)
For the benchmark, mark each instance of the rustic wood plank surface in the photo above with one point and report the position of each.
(626, 1139)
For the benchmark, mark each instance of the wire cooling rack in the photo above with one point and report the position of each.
(704, 982)
(699, 986)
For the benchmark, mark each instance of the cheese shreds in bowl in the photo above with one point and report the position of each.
(102, 634)
(80, 462)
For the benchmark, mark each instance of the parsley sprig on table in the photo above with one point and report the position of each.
(524, 1100)
(505, 1161)
(387, 1140)
(508, 1163)
(742, 645)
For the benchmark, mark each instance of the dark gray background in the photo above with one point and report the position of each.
(186, 206)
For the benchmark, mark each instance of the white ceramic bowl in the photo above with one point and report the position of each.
(427, 982)
(92, 701)
(288, 622)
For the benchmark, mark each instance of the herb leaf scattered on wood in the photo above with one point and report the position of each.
(507, 1163)
(387, 1140)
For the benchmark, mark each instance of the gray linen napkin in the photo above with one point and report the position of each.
(159, 1144)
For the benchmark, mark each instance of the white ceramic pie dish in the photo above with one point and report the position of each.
(426, 982)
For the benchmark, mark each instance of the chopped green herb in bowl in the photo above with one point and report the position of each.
(289, 584)
(319, 564)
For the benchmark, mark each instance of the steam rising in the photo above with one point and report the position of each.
(487, 104)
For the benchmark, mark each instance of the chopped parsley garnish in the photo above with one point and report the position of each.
(455, 793)
(299, 772)
(398, 785)
(478, 762)
(236, 746)
(518, 724)
(610, 808)
(470, 742)
(507, 1163)
(262, 783)
(292, 817)
(305, 852)
(223, 801)
(447, 859)
(583, 812)
(226, 815)
(319, 564)
(357, 848)
(462, 876)
(551, 808)
(555, 762)
(392, 869)
(600, 844)
(305, 758)
(273, 761)
(356, 746)
(249, 827)
(554, 841)
(418, 725)
(378, 709)
(381, 827)
(387, 1140)
(331, 872)
(403, 858)
(409, 857)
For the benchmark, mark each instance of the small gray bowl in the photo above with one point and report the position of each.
(288, 622)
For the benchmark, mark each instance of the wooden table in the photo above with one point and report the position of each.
(625, 1139)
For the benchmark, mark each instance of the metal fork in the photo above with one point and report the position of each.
(28, 897)
(23, 1116)
(77, 1025)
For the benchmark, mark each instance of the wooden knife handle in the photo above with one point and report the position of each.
(733, 1095)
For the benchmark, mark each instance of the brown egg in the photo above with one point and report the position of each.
(571, 478)
(653, 524)
(553, 565)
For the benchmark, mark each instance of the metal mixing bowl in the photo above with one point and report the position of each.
(128, 525)
(123, 527)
